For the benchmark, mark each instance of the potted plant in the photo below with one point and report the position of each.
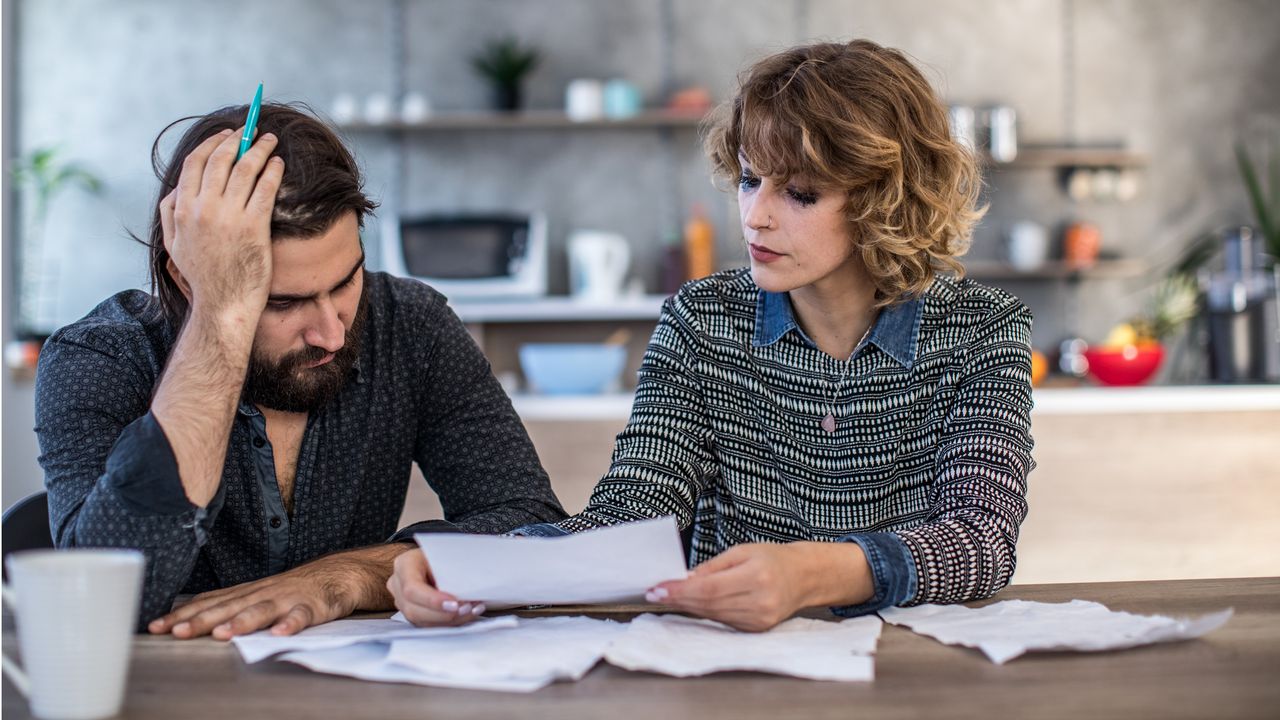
(45, 175)
(504, 62)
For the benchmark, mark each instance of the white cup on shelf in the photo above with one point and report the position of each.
(584, 100)
(1028, 245)
(76, 611)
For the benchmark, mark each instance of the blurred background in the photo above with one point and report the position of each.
(540, 162)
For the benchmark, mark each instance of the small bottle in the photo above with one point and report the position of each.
(674, 268)
(699, 245)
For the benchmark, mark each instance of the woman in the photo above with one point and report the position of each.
(840, 424)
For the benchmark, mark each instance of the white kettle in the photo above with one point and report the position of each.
(598, 263)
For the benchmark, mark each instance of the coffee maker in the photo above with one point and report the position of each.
(1241, 309)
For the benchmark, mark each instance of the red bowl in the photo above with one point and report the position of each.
(1129, 365)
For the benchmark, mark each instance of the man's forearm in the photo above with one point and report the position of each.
(197, 397)
(359, 575)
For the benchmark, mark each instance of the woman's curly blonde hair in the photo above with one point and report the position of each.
(861, 118)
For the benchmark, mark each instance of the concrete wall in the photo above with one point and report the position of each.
(1178, 80)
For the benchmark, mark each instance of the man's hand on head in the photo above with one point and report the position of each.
(217, 224)
(324, 589)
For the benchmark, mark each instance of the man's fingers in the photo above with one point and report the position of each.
(247, 169)
(198, 604)
(295, 621)
(217, 169)
(255, 617)
(192, 175)
(263, 199)
(207, 619)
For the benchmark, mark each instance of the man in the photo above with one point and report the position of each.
(251, 426)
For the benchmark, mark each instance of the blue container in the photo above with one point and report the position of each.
(572, 368)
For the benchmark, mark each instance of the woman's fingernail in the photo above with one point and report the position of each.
(464, 609)
(449, 605)
(656, 595)
(181, 628)
(478, 609)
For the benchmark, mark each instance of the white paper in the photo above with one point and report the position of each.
(368, 661)
(608, 565)
(1007, 629)
(814, 649)
(261, 645)
(538, 650)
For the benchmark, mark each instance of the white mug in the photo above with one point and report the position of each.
(598, 263)
(1028, 245)
(76, 611)
(584, 99)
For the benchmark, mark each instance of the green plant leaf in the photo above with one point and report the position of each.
(1257, 198)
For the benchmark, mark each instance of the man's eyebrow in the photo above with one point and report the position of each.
(303, 298)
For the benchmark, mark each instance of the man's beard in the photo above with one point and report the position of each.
(289, 386)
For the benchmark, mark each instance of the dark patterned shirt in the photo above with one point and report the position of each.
(420, 392)
(926, 469)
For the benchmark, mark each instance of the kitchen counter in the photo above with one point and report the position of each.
(1048, 401)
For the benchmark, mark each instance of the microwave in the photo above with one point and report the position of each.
(472, 256)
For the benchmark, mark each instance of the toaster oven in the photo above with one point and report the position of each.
(465, 256)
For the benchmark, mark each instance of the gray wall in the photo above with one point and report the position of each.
(1178, 80)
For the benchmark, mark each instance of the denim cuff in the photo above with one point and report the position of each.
(893, 572)
(406, 533)
(539, 530)
(143, 471)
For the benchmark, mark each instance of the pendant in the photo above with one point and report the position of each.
(829, 423)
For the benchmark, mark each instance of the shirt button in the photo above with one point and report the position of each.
(259, 442)
(276, 522)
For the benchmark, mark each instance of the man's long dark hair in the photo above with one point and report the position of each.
(321, 184)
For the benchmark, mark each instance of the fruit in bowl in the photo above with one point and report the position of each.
(1128, 357)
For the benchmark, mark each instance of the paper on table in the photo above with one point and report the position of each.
(368, 661)
(540, 650)
(814, 649)
(612, 564)
(261, 645)
(1007, 629)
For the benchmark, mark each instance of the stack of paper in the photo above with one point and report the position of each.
(1007, 629)
(525, 654)
(814, 649)
(506, 653)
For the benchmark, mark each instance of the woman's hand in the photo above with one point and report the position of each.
(755, 586)
(415, 594)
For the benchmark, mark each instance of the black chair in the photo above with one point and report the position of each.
(26, 525)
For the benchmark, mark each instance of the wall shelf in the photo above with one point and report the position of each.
(1108, 269)
(1064, 156)
(530, 120)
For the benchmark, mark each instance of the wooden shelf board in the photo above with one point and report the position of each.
(530, 120)
(996, 270)
(1041, 156)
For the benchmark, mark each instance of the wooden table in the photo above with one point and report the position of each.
(1233, 672)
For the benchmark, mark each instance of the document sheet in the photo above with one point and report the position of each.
(609, 565)
(814, 649)
(1007, 629)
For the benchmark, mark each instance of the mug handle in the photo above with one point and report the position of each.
(12, 670)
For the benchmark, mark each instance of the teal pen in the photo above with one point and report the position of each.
(251, 122)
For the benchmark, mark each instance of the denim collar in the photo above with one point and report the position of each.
(895, 332)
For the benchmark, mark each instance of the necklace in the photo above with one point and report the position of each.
(829, 422)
